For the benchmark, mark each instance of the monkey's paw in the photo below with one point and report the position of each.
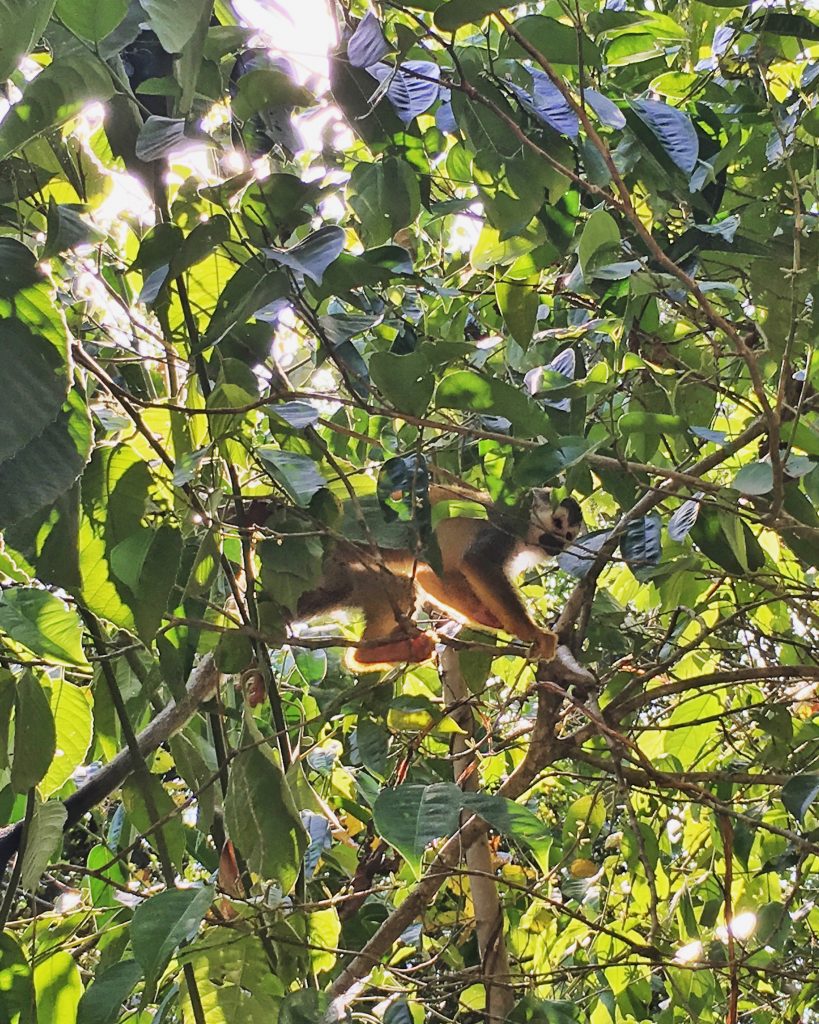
(545, 646)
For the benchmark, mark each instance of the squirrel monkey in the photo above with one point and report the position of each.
(474, 584)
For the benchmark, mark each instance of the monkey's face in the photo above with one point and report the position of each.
(553, 529)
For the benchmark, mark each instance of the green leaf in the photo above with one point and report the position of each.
(34, 734)
(74, 727)
(234, 981)
(41, 622)
(385, 197)
(91, 19)
(144, 811)
(475, 392)
(44, 838)
(263, 88)
(159, 137)
(651, 423)
(8, 693)
(163, 923)
(23, 22)
(413, 816)
(234, 652)
(262, 818)
(290, 566)
(67, 229)
(756, 478)
(102, 1001)
(405, 380)
(798, 794)
(454, 14)
(583, 821)
(147, 563)
(102, 861)
(33, 347)
(298, 474)
(558, 42)
(708, 533)
(518, 301)
(48, 465)
(57, 94)
(173, 21)
(58, 988)
(17, 1000)
(599, 243)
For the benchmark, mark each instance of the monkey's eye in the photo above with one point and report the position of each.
(570, 535)
(558, 522)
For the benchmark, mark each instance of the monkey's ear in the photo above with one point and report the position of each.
(541, 499)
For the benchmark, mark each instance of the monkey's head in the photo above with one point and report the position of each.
(553, 527)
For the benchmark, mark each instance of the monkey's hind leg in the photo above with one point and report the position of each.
(390, 637)
(453, 595)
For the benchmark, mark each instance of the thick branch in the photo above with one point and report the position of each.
(201, 686)
(489, 919)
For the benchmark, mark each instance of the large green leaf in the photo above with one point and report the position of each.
(454, 14)
(262, 818)
(147, 562)
(558, 42)
(175, 21)
(102, 1000)
(518, 302)
(23, 22)
(405, 380)
(147, 801)
(161, 924)
(234, 981)
(48, 465)
(58, 988)
(44, 836)
(34, 735)
(413, 816)
(476, 392)
(798, 794)
(385, 197)
(17, 1002)
(91, 19)
(33, 348)
(74, 726)
(57, 94)
(41, 622)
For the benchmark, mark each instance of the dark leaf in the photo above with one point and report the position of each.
(313, 254)
(608, 113)
(577, 559)
(683, 519)
(798, 794)
(674, 131)
(163, 922)
(408, 94)
(102, 1001)
(367, 44)
(641, 544)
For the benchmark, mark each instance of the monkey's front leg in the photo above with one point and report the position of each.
(493, 588)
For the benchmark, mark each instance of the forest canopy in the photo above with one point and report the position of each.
(253, 306)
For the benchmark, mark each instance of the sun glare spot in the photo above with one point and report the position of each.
(689, 953)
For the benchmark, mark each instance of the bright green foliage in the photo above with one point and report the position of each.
(249, 313)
